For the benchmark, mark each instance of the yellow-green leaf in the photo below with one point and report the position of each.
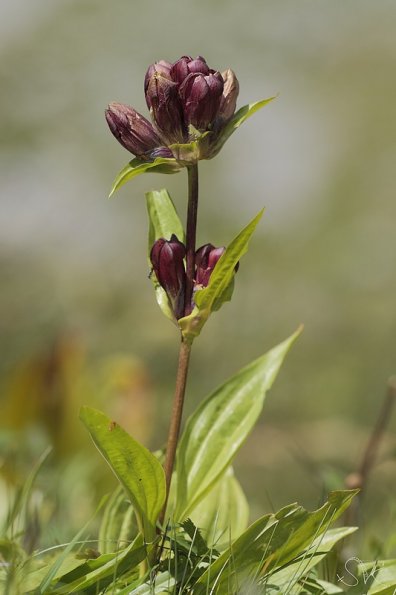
(138, 470)
(220, 425)
(218, 290)
(270, 543)
(134, 168)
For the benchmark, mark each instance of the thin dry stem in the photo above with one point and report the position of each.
(360, 477)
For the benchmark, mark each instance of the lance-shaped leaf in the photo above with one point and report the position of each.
(383, 573)
(98, 573)
(237, 120)
(160, 165)
(136, 468)
(223, 514)
(220, 425)
(158, 584)
(285, 578)
(118, 523)
(319, 587)
(220, 284)
(270, 543)
(163, 218)
(163, 222)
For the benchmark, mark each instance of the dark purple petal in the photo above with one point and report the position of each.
(201, 95)
(187, 65)
(165, 108)
(131, 129)
(167, 258)
(162, 68)
(206, 258)
(214, 256)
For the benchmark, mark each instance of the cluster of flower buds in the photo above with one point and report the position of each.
(167, 259)
(186, 99)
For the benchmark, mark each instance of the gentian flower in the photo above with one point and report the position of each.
(192, 109)
(185, 99)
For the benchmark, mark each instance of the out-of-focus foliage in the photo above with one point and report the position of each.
(41, 402)
(71, 261)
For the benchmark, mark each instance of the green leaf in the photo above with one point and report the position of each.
(223, 514)
(287, 577)
(136, 167)
(163, 222)
(223, 272)
(220, 425)
(384, 573)
(313, 586)
(33, 578)
(136, 468)
(163, 218)
(218, 291)
(161, 583)
(325, 588)
(237, 120)
(117, 526)
(371, 578)
(270, 543)
(100, 572)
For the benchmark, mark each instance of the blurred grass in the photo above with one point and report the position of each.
(320, 158)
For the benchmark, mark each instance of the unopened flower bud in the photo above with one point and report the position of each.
(165, 107)
(162, 68)
(229, 96)
(187, 65)
(131, 129)
(206, 258)
(167, 259)
(201, 96)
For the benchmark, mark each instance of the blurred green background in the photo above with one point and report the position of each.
(78, 318)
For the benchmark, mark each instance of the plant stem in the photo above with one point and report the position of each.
(177, 411)
(185, 347)
(191, 232)
(359, 478)
(378, 432)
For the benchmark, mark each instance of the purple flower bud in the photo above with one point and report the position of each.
(206, 258)
(187, 65)
(201, 96)
(230, 94)
(165, 107)
(167, 259)
(162, 68)
(131, 129)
